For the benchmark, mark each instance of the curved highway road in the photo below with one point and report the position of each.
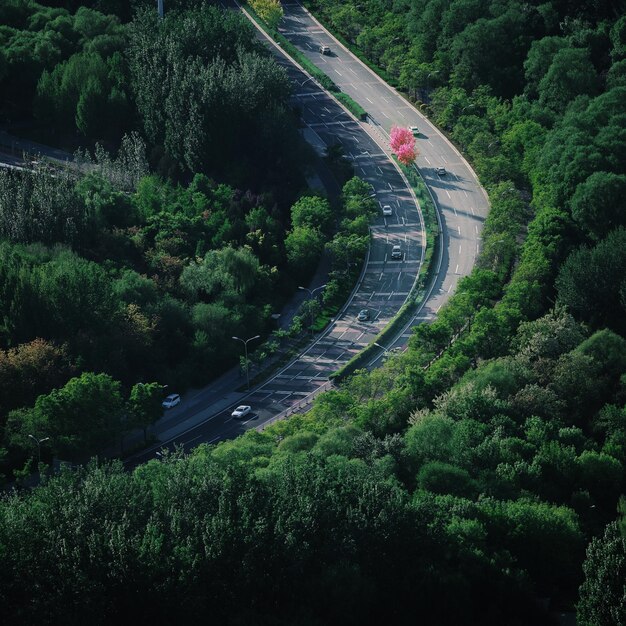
(383, 287)
(385, 283)
(462, 202)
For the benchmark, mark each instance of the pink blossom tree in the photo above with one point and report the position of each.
(406, 154)
(402, 144)
(400, 136)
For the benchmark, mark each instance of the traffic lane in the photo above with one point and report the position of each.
(382, 169)
(368, 86)
(363, 149)
(309, 372)
(379, 280)
(210, 427)
(379, 172)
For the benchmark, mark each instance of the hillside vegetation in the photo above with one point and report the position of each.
(483, 488)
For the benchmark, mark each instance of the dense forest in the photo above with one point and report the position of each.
(169, 235)
(479, 487)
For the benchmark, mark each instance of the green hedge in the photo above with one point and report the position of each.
(354, 107)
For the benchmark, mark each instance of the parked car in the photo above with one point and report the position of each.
(324, 49)
(387, 211)
(441, 171)
(396, 252)
(241, 411)
(363, 315)
(171, 401)
(415, 130)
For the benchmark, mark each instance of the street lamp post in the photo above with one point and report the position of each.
(38, 442)
(311, 293)
(385, 351)
(245, 345)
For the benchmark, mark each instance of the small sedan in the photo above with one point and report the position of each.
(387, 211)
(396, 253)
(324, 49)
(441, 171)
(241, 411)
(363, 315)
(414, 130)
(171, 401)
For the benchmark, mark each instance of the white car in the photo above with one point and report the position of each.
(414, 130)
(441, 171)
(171, 401)
(324, 49)
(241, 411)
(363, 315)
(396, 253)
(387, 211)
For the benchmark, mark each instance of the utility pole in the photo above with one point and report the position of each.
(160, 5)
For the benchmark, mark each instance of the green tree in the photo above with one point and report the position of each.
(444, 478)
(80, 417)
(144, 405)
(599, 204)
(590, 280)
(603, 593)
(571, 73)
(91, 108)
(304, 247)
(312, 212)
(537, 63)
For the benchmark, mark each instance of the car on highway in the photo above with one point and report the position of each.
(441, 171)
(396, 252)
(241, 411)
(392, 352)
(171, 401)
(387, 211)
(363, 315)
(324, 49)
(414, 130)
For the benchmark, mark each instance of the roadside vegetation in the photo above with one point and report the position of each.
(474, 479)
(189, 224)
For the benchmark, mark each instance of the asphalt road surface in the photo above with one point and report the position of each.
(383, 287)
(463, 204)
(385, 283)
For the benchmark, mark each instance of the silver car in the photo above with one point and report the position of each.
(241, 411)
(171, 401)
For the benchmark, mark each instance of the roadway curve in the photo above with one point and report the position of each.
(384, 284)
(462, 202)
